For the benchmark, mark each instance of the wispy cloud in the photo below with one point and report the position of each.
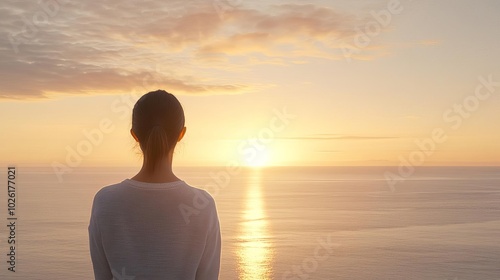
(84, 47)
(290, 30)
(341, 137)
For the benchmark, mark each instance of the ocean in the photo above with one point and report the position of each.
(441, 223)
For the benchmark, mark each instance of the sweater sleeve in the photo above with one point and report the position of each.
(209, 266)
(102, 270)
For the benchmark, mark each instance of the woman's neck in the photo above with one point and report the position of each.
(162, 174)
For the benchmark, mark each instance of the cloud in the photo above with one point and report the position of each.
(291, 30)
(52, 47)
(341, 137)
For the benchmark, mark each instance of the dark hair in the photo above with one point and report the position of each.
(157, 121)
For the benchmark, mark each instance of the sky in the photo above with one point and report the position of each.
(263, 83)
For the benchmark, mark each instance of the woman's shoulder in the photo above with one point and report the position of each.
(199, 205)
(127, 185)
(108, 191)
(199, 195)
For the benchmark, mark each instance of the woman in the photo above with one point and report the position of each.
(154, 225)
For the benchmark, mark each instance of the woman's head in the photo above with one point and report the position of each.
(157, 124)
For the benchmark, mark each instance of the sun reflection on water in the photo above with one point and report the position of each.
(254, 250)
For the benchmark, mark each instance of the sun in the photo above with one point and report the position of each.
(259, 158)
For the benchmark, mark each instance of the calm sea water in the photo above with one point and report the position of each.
(287, 223)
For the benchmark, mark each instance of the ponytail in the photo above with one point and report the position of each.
(157, 147)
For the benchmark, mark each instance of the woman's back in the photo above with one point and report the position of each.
(144, 230)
